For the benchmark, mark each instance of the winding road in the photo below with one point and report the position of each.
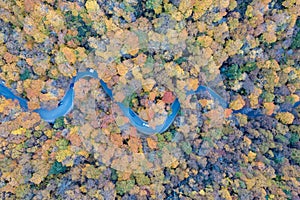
(66, 105)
